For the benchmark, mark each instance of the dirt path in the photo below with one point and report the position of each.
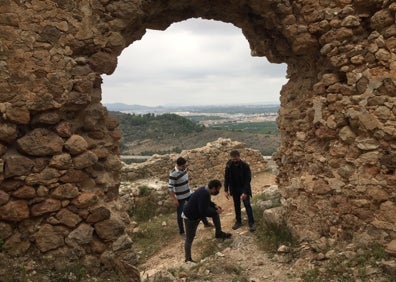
(239, 259)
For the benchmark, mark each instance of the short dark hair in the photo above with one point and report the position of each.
(181, 161)
(234, 153)
(214, 183)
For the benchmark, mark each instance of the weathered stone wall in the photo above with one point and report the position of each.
(59, 166)
(204, 163)
(337, 156)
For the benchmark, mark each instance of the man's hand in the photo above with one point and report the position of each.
(219, 209)
(176, 202)
(244, 197)
(227, 194)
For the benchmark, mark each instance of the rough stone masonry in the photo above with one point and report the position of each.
(59, 163)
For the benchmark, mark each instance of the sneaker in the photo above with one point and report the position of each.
(208, 224)
(252, 227)
(223, 235)
(190, 260)
(237, 225)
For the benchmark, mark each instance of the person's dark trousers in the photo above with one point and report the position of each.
(179, 211)
(191, 230)
(237, 207)
(249, 210)
(217, 223)
(205, 220)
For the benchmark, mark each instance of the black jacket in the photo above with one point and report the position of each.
(237, 178)
(200, 205)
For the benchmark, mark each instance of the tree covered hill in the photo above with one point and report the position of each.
(149, 134)
(155, 126)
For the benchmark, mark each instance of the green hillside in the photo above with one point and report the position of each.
(145, 126)
(149, 134)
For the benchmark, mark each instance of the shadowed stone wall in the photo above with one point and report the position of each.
(60, 171)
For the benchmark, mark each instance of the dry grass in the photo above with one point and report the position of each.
(153, 235)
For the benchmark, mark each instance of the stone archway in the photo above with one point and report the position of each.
(60, 171)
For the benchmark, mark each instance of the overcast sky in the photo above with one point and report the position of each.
(194, 62)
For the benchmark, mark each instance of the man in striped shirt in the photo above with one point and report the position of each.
(179, 190)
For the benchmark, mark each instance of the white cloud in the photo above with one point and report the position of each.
(195, 62)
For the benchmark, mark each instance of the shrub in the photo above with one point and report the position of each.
(70, 272)
(271, 235)
(144, 190)
(342, 268)
(311, 275)
(145, 209)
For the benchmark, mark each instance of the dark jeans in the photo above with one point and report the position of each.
(237, 207)
(191, 230)
(179, 211)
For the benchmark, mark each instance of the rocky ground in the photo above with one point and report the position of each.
(239, 259)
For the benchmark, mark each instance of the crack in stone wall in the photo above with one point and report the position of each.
(60, 172)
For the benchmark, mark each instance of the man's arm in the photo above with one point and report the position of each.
(205, 206)
(247, 177)
(227, 176)
(227, 180)
(171, 188)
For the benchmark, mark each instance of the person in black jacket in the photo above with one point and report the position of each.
(237, 177)
(179, 191)
(198, 206)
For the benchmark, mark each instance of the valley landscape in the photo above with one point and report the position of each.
(162, 130)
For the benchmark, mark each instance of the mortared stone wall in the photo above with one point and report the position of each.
(59, 166)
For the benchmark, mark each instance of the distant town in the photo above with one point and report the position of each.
(210, 119)
(207, 115)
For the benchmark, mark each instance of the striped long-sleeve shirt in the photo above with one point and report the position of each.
(178, 183)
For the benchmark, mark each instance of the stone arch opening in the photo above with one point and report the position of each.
(58, 147)
(193, 62)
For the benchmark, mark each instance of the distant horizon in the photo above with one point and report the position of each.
(194, 105)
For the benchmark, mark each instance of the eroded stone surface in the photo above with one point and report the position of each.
(337, 117)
